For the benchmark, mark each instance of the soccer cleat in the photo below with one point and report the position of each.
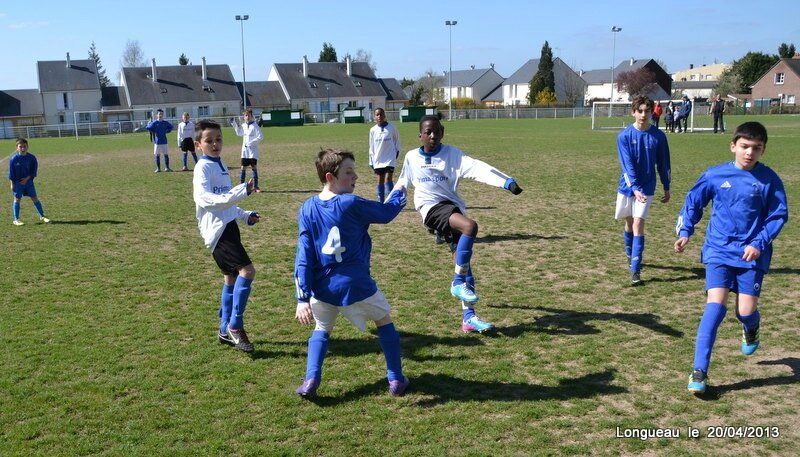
(44, 220)
(158, 170)
(750, 341)
(398, 388)
(698, 381)
(308, 388)
(169, 170)
(225, 339)
(636, 279)
(185, 169)
(240, 340)
(463, 292)
(475, 324)
(258, 191)
(18, 222)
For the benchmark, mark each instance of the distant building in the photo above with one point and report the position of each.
(475, 83)
(68, 87)
(702, 73)
(780, 84)
(569, 86)
(600, 84)
(19, 108)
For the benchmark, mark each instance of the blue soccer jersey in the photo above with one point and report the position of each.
(334, 246)
(22, 165)
(640, 153)
(160, 129)
(749, 209)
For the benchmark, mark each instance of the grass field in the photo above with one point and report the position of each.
(109, 313)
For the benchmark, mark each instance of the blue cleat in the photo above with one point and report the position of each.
(398, 388)
(750, 341)
(463, 292)
(698, 381)
(308, 388)
(475, 324)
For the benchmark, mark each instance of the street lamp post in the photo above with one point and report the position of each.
(328, 91)
(450, 25)
(614, 30)
(241, 20)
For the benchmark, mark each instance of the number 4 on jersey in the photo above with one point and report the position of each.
(333, 245)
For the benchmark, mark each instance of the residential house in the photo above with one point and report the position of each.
(473, 83)
(698, 83)
(19, 108)
(320, 87)
(781, 83)
(600, 81)
(69, 87)
(569, 86)
(702, 73)
(396, 97)
(264, 96)
(696, 90)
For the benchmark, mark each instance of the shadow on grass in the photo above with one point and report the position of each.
(290, 191)
(88, 222)
(715, 392)
(438, 389)
(568, 322)
(516, 236)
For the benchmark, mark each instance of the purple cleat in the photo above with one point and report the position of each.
(398, 388)
(308, 388)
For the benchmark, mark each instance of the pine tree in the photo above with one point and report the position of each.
(183, 60)
(101, 72)
(544, 77)
(328, 53)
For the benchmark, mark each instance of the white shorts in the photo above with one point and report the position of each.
(372, 308)
(630, 207)
(162, 149)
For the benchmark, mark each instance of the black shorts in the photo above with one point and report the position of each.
(229, 253)
(380, 171)
(249, 162)
(438, 220)
(187, 145)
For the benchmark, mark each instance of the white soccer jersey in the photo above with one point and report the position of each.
(216, 199)
(185, 130)
(384, 146)
(251, 136)
(436, 176)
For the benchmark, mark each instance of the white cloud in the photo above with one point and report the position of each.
(29, 25)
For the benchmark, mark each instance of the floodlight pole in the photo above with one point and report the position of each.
(450, 25)
(614, 30)
(241, 20)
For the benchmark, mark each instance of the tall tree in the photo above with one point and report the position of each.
(132, 55)
(183, 60)
(744, 72)
(328, 53)
(101, 72)
(636, 82)
(786, 51)
(544, 77)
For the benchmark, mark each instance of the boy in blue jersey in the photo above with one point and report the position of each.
(749, 211)
(435, 170)
(642, 149)
(216, 211)
(22, 169)
(332, 267)
(159, 128)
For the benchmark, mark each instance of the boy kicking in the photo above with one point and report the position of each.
(435, 170)
(332, 267)
(642, 148)
(749, 211)
(217, 213)
(22, 169)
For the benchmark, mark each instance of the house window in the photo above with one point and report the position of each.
(778, 78)
(693, 78)
(61, 118)
(84, 117)
(790, 100)
(202, 110)
(171, 113)
(65, 96)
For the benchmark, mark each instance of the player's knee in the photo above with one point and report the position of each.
(248, 271)
(385, 320)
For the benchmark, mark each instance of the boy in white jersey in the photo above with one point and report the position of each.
(435, 170)
(215, 199)
(384, 149)
(333, 263)
(251, 136)
(186, 140)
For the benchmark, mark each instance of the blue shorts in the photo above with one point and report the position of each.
(24, 190)
(737, 280)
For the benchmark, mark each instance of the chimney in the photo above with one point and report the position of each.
(305, 66)
(691, 66)
(69, 63)
(205, 72)
(155, 77)
(349, 67)
(631, 61)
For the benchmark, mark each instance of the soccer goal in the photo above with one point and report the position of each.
(617, 116)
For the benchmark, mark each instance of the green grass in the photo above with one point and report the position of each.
(109, 313)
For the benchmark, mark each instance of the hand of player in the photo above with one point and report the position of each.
(303, 313)
(253, 218)
(751, 253)
(681, 243)
(24, 180)
(640, 197)
(665, 198)
(250, 186)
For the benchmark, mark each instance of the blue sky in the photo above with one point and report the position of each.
(406, 39)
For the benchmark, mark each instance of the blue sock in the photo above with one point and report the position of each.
(317, 348)
(468, 312)
(225, 308)
(707, 334)
(255, 179)
(194, 156)
(628, 243)
(389, 186)
(389, 339)
(750, 321)
(637, 251)
(463, 256)
(242, 175)
(39, 208)
(381, 195)
(158, 162)
(185, 157)
(16, 210)
(241, 291)
(166, 160)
